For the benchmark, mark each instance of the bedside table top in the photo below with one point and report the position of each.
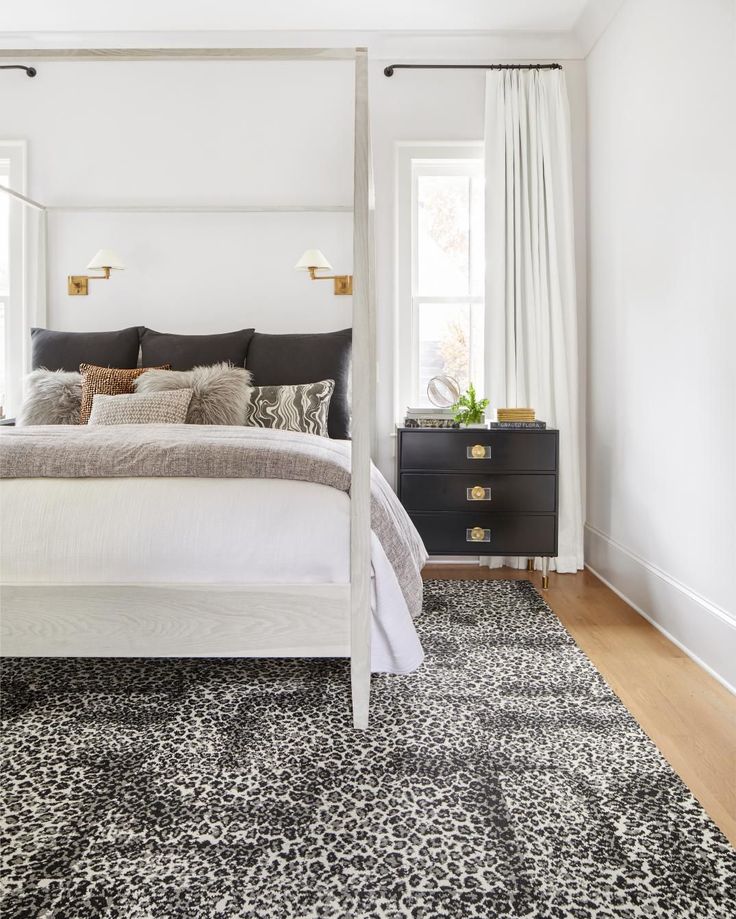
(401, 427)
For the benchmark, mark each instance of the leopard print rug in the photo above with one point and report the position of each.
(503, 779)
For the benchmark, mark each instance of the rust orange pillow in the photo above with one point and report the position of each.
(109, 381)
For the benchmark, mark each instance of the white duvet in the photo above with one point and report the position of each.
(196, 531)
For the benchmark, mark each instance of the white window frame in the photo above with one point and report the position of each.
(433, 156)
(17, 336)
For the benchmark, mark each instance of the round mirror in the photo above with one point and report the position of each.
(443, 390)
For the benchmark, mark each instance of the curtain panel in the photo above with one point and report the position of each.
(531, 299)
(26, 304)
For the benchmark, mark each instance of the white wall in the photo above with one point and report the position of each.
(233, 132)
(223, 134)
(662, 318)
(191, 15)
(199, 272)
(198, 134)
(204, 131)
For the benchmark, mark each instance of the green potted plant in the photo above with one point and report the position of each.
(469, 411)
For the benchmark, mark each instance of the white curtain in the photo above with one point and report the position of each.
(27, 301)
(34, 301)
(531, 305)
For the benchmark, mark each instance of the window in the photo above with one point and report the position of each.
(4, 278)
(12, 175)
(442, 269)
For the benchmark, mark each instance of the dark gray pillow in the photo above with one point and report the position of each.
(67, 350)
(284, 360)
(184, 352)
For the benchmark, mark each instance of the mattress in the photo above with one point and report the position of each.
(196, 531)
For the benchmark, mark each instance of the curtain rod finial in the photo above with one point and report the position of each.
(30, 71)
(388, 71)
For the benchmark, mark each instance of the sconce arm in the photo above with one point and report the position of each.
(78, 284)
(343, 282)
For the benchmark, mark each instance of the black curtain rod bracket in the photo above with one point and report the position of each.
(389, 71)
(30, 71)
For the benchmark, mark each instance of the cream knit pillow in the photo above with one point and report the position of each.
(141, 408)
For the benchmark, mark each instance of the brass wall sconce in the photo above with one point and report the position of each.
(106, 260)
(313, 261)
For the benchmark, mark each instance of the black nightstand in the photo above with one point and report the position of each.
(481, 492)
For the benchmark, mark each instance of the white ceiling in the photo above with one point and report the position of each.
(44, 16)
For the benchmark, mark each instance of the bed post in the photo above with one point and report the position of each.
(360, 504)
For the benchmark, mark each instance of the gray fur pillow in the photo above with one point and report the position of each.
(52, 397)
(219, 392)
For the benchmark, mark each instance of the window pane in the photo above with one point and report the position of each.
(4, 234)
(477, 236)
(4, 276)
(450, 340)
(443, 235)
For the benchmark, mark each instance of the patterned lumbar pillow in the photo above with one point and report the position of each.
(108, 381)
(303, 407)
(52, 397)
(220, 392)
(141, 408)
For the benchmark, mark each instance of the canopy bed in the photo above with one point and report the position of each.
(212, 612)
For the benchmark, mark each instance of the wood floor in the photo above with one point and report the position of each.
(685, 711)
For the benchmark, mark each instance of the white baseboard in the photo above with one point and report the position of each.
(704, 631)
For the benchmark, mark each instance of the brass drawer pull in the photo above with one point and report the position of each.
(478, 493)
(477, 534)
(479, 451)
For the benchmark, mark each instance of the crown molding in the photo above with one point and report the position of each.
(413, 47)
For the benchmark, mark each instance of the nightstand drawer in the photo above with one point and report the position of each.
(487, 534)
(479, 451)
(506, 493)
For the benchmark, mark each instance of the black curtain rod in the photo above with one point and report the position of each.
(30, 71)
(389, 71)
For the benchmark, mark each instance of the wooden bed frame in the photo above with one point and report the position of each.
(265, 620)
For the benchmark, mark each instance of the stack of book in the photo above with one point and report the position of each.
(517, 419)
(429, 418)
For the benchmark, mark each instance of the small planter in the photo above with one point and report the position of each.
(470, 406)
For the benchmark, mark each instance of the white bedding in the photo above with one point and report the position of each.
(163, 531)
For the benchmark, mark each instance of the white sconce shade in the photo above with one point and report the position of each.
(313, 258)
(106, 258)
